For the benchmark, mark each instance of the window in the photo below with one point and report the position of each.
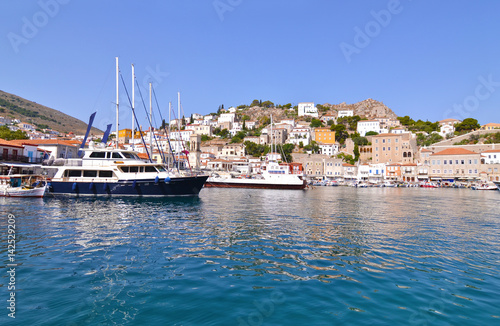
(124, 169)
(105, 174)
(444, 162)
(388, 148)
(90, 173)
(116, 155)
(463, 162)
(74, 173)
(383, 148)
(98, 155)
(451, 161)
(134, 169)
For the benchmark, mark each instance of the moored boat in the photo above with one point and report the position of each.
(485, 186)
(115, 172)
(272, 176)
(22, 185)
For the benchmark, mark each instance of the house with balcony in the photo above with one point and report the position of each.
(393, 172)
(298, 135)
(350, 172)
(409, 172)
(333, 169)
(376, 173)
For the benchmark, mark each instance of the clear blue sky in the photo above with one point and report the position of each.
(426, 59)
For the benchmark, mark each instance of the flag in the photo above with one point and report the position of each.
(91, 120)
(106, 134)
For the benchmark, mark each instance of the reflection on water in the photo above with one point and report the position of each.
(236, 256)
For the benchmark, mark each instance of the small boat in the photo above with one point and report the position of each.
(484, 186)
(429, 185)
(22, 185)
(497, 183)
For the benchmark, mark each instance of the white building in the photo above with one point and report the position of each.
(365, 126)
(181, 135)
(329, 149)
(491, 156)
(345, 113)
(226, 117)
(298, 135)
(307, 108)
(446, 129)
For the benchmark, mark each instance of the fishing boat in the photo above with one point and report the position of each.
(272, 176)
(107, 171)
(22, 185)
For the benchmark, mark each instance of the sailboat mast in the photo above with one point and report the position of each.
(150, 121)
(133, 106)
(117, 104)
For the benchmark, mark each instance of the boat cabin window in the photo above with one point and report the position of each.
(150, 169)
(105, 174)
(124, 169)
(73, 173)
(160, 168)
(113, 155)
(89, 173)
(98, 155)
(130, 155)
(134, 169)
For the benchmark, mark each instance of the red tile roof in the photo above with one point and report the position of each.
(9, 143)
(491, 151)
(454, 151)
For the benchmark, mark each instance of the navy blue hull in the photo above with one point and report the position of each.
(188, 186)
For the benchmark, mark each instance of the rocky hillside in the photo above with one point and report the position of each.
(15, 107)
(368, 108)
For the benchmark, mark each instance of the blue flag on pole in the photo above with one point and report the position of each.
(106, 134)
(91, 120)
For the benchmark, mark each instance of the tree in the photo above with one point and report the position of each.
(346, 158)
(360, 141)
(356, 152)
(267, 104)
(313, 147)
(322, 108)
(7, 134)
(255, 103)
(371, 133)
(468, 124)
(256, 150)
(341, 133)
(191, 120)
(316, 123)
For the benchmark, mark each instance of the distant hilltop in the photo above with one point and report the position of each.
(368, 108)
(41, 117)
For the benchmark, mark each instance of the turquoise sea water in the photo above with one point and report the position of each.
(328, 256)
